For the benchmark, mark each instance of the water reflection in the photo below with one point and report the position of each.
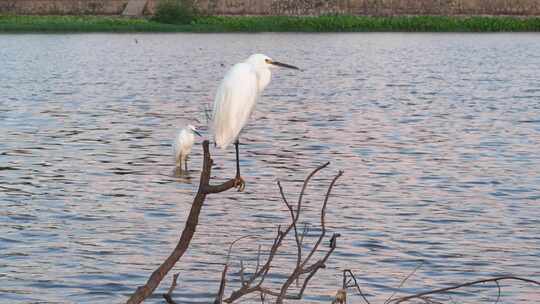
(437, 133)
(183, 175)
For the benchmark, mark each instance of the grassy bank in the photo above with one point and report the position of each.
(271, 24)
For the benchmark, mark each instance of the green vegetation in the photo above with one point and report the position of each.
(176, 11)
(369, 24)
(80, 24)
(269, 24)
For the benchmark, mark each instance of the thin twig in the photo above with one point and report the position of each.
(498, 292)
(353, 277)
(404, 280)
(223, 281)
(305, 231)
(312, 269)
(443, 290)
(294, 219)
(429, 300)
(323, 214)
(242, 280)
(168, 295)
(258, 259)
(300, 197)
(234, 242)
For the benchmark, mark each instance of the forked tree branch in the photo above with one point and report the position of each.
(254, 284)
(301, 265)
(205, 188)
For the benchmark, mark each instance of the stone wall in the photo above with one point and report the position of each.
(290, 7)
(372, 7)
(56, 7)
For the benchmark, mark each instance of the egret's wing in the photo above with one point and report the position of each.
(182, 143)
(235, 100)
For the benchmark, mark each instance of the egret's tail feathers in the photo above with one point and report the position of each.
(222, 146)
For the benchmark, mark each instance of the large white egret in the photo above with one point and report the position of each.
(236, 98)
(183, 144)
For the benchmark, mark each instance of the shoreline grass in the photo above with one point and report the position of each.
(218, 24)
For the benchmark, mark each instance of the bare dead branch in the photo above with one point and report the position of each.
(305, 231)
(347, 283)
(428, 300)
(258, 259)
(260, 275)
(254, 283)
(403, 281)
(205, 188)
(294, 219)
(242, 278)
(300, 197)
(234, 242)
(221, 291)
(443, 290)
(323, 215)
(223, 281)
(168, 295)
(498, 292)
(312, 269)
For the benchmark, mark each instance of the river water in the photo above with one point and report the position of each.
(438, 135)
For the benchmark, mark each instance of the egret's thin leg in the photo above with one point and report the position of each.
(185, 164)
(239, 181)
(236, 144)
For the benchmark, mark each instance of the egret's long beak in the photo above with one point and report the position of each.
(197, 132)
(284, 65)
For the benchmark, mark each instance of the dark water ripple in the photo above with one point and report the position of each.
(438, 135)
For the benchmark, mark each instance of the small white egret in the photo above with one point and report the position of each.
(236, 98)
(182, 145)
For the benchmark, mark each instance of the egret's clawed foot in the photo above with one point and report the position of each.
(239, 183)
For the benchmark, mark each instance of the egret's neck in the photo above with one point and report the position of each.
(263, 78)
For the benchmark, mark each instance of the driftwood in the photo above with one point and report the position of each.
(205, 188)
(254, 284)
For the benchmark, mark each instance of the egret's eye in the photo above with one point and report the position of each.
(268, 61)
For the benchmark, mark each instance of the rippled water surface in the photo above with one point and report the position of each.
(438, 134)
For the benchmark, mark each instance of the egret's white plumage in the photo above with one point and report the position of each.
(237, 95)
(236, 98)
(183, 144)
